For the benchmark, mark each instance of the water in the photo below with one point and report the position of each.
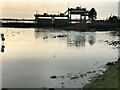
(37, 58)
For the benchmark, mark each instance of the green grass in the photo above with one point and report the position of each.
(108, 80)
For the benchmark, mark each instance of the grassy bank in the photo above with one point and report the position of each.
(108, 80)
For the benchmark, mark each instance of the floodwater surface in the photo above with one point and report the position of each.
(53, 58)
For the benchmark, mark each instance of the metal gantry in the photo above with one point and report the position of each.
(82, 12)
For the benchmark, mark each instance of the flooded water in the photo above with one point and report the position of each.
(53, 58)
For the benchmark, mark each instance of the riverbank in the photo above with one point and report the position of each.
(110, 78)
(96, 26)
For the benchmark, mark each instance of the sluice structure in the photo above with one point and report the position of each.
(63, 19)
(77, 18)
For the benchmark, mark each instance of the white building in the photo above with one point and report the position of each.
(119, 9)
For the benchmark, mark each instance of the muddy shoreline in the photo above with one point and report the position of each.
(97, 81)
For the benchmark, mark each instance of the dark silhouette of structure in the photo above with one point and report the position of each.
(84, 22)
(65, 18)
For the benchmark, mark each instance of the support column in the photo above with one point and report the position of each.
(84, 19)
(80, 18)
(70, 17)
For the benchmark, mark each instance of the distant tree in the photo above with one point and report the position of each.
(113, 18)
(92, 14)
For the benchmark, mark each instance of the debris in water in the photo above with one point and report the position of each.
(54, 77)
(110, 63)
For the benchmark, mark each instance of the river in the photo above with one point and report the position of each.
(53, 58)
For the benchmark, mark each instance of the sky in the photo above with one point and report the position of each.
(59, 0)
(27, 8)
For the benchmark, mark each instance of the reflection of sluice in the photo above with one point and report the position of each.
(46, 34)
(78, 41)
(36, 29)
(38, 32)
(2, 48)
(91, 38)
(36, 35)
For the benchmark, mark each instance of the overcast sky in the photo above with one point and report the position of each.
(27, 8)
(60, 0)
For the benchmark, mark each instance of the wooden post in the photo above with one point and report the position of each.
(2, 37)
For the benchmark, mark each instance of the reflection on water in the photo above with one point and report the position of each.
(77, 39)
(54, 58)
(91, 38)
